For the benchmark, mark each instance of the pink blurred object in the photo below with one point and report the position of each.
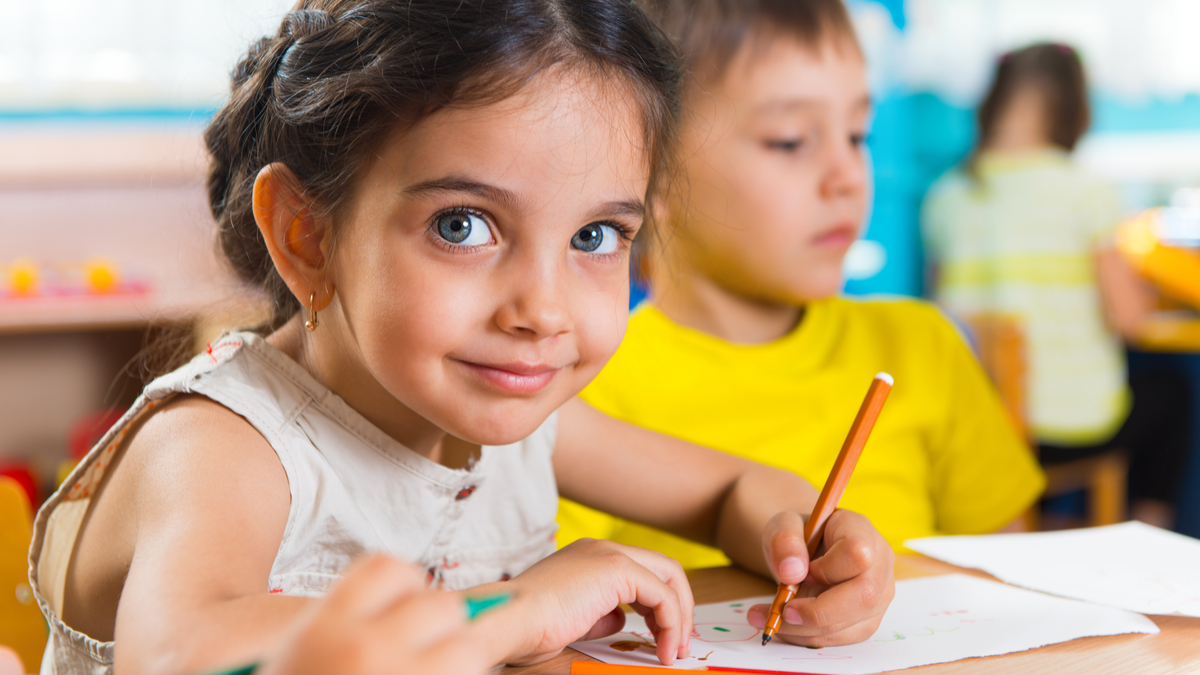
(10, 663)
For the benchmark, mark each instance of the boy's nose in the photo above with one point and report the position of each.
(846, 173)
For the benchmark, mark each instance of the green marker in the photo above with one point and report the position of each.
(477, 606)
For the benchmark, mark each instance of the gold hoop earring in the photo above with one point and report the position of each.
(312, 323)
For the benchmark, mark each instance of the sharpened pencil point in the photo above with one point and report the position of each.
(766, 639)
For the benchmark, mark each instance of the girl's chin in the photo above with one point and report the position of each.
(498, 429)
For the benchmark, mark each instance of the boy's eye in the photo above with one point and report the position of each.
(463, 228)
(596, 238)
(787, 145)
(858, 140)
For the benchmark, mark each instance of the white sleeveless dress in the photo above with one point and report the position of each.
(353, 490)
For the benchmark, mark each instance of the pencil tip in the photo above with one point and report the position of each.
(766, 639)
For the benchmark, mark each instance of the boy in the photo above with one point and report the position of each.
(746, 347)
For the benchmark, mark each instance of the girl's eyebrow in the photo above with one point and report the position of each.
(459, 184)
(628, 207)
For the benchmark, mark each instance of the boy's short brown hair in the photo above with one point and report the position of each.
(710, 32)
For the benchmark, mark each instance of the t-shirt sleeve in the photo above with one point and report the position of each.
(984, 473)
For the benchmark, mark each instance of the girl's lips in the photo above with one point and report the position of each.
(839, 236)
(514, 378)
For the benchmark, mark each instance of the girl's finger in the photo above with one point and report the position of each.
(458, 654)
(670, 572)
(653, 594)
(372, 585)
(425, 618)
(784, 548)
(608, 624)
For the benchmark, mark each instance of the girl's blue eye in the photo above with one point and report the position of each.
(464, 229)
(596, 238)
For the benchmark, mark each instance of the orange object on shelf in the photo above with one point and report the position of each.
(23, 277)
(101, 275)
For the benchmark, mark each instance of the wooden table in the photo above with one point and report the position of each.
(1175, 650)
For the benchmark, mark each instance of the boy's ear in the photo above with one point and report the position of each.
(297, 238)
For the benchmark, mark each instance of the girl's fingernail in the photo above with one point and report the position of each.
(791, 567)
(792, 616)
(757, 620)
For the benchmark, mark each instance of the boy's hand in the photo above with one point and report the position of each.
(845, 590)
(575, 595)
(381, 619)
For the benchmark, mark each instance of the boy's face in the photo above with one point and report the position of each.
(775, 188)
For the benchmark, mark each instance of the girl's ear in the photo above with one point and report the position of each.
(297, 238)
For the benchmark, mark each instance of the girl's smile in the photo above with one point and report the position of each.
(513, 378)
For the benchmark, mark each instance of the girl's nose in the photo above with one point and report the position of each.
(538, 306)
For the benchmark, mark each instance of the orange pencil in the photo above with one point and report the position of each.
(835, 485)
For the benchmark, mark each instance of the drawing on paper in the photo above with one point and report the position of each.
(931, 620)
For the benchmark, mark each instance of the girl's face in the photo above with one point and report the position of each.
(776, 178)
(481, 269)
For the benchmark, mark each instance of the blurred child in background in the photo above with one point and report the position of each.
(1025, 233)
(746, 346)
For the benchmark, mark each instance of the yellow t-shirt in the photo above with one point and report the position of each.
(943, 458)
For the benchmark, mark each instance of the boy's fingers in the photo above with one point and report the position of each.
(784, 548)
(854, 547)
(851, 634)
(372, 585)
(847, 603)
(844, 560)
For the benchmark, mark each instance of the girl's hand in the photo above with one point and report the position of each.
(381, 619)
(845, 590)
(575, 595)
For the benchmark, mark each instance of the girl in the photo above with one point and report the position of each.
(439, 196)
(1024, 232)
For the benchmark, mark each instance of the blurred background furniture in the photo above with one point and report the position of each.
(1000, 344)
(22, 627)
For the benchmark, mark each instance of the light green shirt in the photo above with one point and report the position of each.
(1020, 241)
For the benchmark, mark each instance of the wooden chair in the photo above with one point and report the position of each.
(21, 624)
(1000, 343)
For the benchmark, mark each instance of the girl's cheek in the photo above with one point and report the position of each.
(602, 330)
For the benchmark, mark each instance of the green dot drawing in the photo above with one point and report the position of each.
(723, 630)
(736, 604)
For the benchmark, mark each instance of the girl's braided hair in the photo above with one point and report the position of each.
(341, 74)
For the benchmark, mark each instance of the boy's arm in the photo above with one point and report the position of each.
(755, 513)
(706, 496)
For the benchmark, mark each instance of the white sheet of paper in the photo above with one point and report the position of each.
(931, 620)
(1131, 566)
